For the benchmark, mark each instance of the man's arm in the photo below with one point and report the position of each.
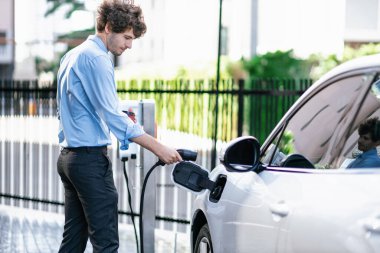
(99, 85)
(166, 154)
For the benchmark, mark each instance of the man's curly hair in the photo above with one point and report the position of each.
(121, 15)
(371, 126)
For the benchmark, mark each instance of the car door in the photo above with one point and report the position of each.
(308, 142)
(326, 211)
(241, 220)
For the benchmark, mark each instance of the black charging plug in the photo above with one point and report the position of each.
(187, 155)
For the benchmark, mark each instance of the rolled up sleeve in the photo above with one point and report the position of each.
(133, 131)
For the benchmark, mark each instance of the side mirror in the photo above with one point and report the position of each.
(241, 154)
(191, 176)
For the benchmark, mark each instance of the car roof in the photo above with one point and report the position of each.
(355, 64)
(364, 62)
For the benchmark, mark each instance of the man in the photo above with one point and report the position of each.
(88, 110)
(369, 139)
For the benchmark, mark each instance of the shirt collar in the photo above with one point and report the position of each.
(370, 152)
(98, 41)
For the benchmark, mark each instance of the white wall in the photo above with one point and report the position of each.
(363, 21)
(35, 35)
(307, 26)
(6, 25)
(237, 17)
(6, 17)
(183, 32)
(179, 32)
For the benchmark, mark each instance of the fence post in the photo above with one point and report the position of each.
(240, 107)
(215, 130)
(148, 159)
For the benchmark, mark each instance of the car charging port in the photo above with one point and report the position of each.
(217, 191)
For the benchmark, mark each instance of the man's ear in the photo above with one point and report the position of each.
(107, 28)
(377, 143)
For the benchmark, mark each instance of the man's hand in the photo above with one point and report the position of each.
(164, 153)
(168, 155)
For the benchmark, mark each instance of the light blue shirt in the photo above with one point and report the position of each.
(88, 106)
(368, 159)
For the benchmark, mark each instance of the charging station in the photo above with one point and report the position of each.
(133, 108)
(143, 113)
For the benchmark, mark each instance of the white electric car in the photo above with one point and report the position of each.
(293, 193)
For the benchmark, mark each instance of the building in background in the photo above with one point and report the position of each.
(317, 26)
(362, 22)
(37, 35)
(184, 33)
(306, 26)
(7, 45)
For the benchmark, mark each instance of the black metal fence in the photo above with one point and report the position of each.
(200, 109)
(244, 107)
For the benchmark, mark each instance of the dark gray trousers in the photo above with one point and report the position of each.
(90, 200)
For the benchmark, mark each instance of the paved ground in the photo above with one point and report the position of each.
(30, 231)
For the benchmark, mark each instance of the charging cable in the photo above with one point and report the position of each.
(130, 203)
(187, 155)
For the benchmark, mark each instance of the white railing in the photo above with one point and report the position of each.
(6, 56)
(29, 151)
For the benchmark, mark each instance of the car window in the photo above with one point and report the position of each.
(370, 108)
(313, 133)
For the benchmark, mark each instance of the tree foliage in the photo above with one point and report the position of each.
(283, 64)
(74, 5)
(322, 64)
(279, 64)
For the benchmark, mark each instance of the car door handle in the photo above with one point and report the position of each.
(280, 208)
(372, 224)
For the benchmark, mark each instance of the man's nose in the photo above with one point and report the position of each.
(129, 44)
